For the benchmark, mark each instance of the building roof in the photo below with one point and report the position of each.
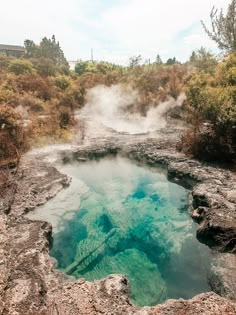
(12, 47)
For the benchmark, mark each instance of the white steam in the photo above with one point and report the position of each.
(110, 106)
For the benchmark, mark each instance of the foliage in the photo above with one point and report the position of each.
(135, 61)
(4, 63)
(171, 61)
(48, 48)
(100, 67)
(44, 66)
(212, 109)
(12, 142)
(203, 60)
(223, 28)
(18, 66)
(48, 94)
(62, 82)
(80, 67)
(158, 60)
(30, 48)
(39, 97)
(156, 83)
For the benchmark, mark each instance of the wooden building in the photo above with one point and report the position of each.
(11, 50)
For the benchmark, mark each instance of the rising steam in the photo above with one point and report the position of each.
(110, 106)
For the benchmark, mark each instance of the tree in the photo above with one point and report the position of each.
(48, 48)
(51, 49)
(80, 67)
(158, 60)
(223, 28)
(30, 48)
(203, 60)
(192, 58)
(135, 61)
(171, 61)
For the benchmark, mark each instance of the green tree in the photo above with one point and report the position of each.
(30, 48)
(223, 28)
(171, 61)
(80, 67)
(203, 60)
(158, 60)
(193, 57)
(48, 48)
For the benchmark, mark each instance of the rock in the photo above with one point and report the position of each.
(29, 282)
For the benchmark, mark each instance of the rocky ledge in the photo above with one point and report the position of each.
(31, 285)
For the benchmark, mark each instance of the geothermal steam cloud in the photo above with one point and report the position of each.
(110, 106)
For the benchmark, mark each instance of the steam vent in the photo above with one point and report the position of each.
(118, 157)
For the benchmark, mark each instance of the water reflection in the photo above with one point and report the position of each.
(130, 220)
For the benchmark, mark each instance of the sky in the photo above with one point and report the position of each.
(115, 29)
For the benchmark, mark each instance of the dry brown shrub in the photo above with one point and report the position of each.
(13, 141)
(41, 87)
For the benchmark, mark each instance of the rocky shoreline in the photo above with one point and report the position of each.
(29, 282)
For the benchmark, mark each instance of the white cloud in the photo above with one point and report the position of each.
(115, 29)
(153, 26)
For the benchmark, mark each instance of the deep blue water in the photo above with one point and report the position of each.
(131, 220)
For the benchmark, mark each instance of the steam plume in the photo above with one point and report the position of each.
(110, 106)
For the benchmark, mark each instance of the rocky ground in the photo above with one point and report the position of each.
(29, 282)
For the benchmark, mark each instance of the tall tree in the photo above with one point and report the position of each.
(193, 57)
(30, 48)
(158, 60)
(48, 48)
(171, 61)
(223, 27)
(135, 61)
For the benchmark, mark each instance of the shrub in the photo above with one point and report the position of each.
(18, 66)
(62, 82)
(212, 109)
(4, 62)
(38, 86)
(44, 66)
(12, 137)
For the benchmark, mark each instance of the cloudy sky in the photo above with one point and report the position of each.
(115, 29)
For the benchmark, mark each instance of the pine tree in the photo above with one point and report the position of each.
(158, 60)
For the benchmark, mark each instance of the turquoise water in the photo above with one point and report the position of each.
(131, 220)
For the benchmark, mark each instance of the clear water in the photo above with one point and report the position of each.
(129, 220)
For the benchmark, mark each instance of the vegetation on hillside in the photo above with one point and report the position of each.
(39, 93)
(212, 94)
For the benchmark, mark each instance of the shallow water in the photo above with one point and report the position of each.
(120, 217)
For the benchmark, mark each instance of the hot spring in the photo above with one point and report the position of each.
(119, 217)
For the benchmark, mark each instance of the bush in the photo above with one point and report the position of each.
(62, 82)
(4, 62)
(44, 66)
(12, 137)
(38, 86)
(212, 109)
(18, 66)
